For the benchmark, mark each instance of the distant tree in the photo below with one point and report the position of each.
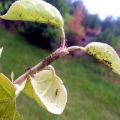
(92, 21)
(82, 24)
(108, 23)
(117, 27)
(4, 5)
(107, 36)
(61, 5)
(75, 24)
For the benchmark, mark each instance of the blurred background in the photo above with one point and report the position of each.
(93, 89)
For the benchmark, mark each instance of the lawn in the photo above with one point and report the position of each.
(91, 94)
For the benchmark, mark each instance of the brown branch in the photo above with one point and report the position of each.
(61, 52)
(75, 48)
(48, 60)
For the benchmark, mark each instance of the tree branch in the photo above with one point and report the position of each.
(48, 60)
(63, 41)
(75, 48)
(61, 52)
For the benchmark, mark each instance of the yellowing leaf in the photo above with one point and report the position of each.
(47, 89)
(105, 53)
(35, 11)
(7, 98)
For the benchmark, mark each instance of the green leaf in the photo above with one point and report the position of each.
(7, 98)
(35, 11)
(8, 110)
(18, 116)
(105, 53)
(47, 89)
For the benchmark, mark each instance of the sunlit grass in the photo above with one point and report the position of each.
(90, 95)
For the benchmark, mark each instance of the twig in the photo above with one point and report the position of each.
(61, 52)
(62, 38)
(75, 48)
(48, 60)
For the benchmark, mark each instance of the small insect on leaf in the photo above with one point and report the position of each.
(105, 53)
(47, 89)
(35, 11)
(56, 92)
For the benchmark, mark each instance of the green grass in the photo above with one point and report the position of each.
(91, 95)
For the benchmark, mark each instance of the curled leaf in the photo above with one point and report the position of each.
(47, 89)
(105, 53)
(35, 11)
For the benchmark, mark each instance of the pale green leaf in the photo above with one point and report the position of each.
(35, 11)
(105, 53)
(47, 89)
(7, 98)
(18, 116)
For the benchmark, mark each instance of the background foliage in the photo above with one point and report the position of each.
(48, 37)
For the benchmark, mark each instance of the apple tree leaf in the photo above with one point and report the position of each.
(7, 98)
(47, 89)
(104, 53)
(35, 11)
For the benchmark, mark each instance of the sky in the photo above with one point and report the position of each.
(103, 8)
